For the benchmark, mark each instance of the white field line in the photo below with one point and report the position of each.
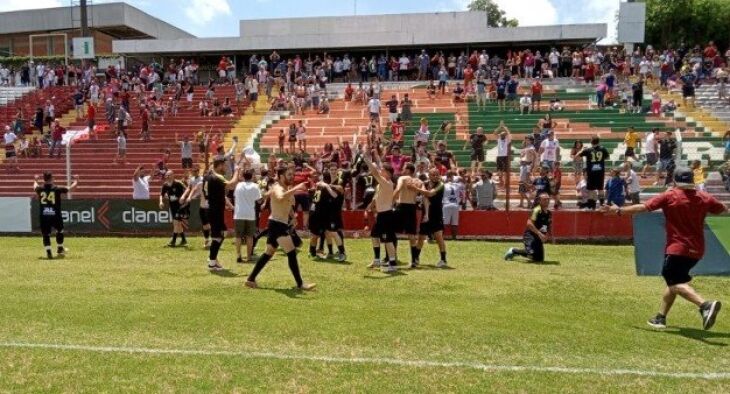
(373, 360)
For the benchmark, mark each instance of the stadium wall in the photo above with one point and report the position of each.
(15, 215)
(143, 217)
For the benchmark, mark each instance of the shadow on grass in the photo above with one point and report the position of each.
(385, 275)
(291, 292)
(434, 267)
(335, 262)
(691, 333)
(224, 273)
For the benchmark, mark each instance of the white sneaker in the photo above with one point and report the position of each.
(510, 254)
(441, 264)
(214, 266)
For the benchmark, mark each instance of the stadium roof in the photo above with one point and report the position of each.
(367, 31)
(116, 19)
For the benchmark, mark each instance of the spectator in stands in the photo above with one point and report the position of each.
(292, 138)
(406, 114)
(557, 182)
(726, 144)
(49, 111)
(651, 147)
(443, 77)
(549, 151)
(121, 148)
(633, 188)
(699, 175)
(392, 105)
(10, 155)
(578, 162)
(484, 192)
(302, 136)
(445, 156)
(459, 94)
(374, 108)
(56, 139)
(667, 146)
(536, 90)
(616, 188)
(525, 104)
(631, 140)
(141, 184)
(38, 120)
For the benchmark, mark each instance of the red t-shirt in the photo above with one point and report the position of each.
(536, 88)
(397, 129)
(685, 212)
(302, 177)
(91, 113)
(57, 133)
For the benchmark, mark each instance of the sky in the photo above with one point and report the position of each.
(219, 18)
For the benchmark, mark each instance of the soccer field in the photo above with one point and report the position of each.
(130, 315)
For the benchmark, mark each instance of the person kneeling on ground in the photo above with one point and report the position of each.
(539, 227)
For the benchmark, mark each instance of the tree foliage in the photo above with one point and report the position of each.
(689, 22)
(495, 15)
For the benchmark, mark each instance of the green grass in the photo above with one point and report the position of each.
(586, 309)
(721, 227)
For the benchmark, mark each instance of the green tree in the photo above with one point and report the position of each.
(690, 22)
(495, 16)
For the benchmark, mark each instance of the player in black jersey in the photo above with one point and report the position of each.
(539, 227)
(49, 201)
(596, 157)
(334, 223)
(433, 221)
(215, 188)
(322, 194)
(171, 193)
(195, 191)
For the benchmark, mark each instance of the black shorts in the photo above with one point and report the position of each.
(676, 269)
(406, 219)
(595, 180)
(688, 91)
(276, 230)
(316, 224)
(303, 201)
(432, 226)
(48, 223)
(180, 213)
(630, 153)
(477, 155)
(500, 96)
(217, 223)
(203, 213)
(187, 162)
(335, 220)
(384, 227)
(501, 163)
(534, 246)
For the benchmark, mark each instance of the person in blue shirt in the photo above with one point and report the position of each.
(501, 89)
(512, 86)
(616, 189)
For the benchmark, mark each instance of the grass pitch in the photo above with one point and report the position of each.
(574, 324)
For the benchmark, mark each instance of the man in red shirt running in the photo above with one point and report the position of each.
(684, 209)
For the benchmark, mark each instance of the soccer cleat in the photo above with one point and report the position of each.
(658, 321)
(340, 257)
(49, 255)
(414, 265)
(170, 245)
(251, 284)
(441, 264)
(307, 286)
(375, 264)
(510, 254)
(215, 266)
(709, 311)
(239, 260)
(389, 269)
(61, 251)
(184, 243)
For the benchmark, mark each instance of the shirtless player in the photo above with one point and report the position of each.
(282, 201)
(405, 209)
(384, 229)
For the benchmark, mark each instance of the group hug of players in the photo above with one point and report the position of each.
(406, 205)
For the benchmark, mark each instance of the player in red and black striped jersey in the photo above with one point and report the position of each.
(49, 201)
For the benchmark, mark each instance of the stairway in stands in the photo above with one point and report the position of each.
(93, 160)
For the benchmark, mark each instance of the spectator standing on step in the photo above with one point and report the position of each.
(56, 139)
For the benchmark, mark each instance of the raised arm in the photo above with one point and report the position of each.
(75, 183)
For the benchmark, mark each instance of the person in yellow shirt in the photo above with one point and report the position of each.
(632, 143)
(699, 175)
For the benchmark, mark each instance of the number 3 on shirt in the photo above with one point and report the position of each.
(47, 198)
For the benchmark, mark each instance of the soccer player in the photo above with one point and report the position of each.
(685, 210)
(247, 194)
(172, 192)
(335, 223)
(406, 216)
(383, 231)
(215, 188)
(539, 227)
(322, 194)
(49, 201)
(596, 157)
(195, 191)
(282, 200)
(433, 223)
